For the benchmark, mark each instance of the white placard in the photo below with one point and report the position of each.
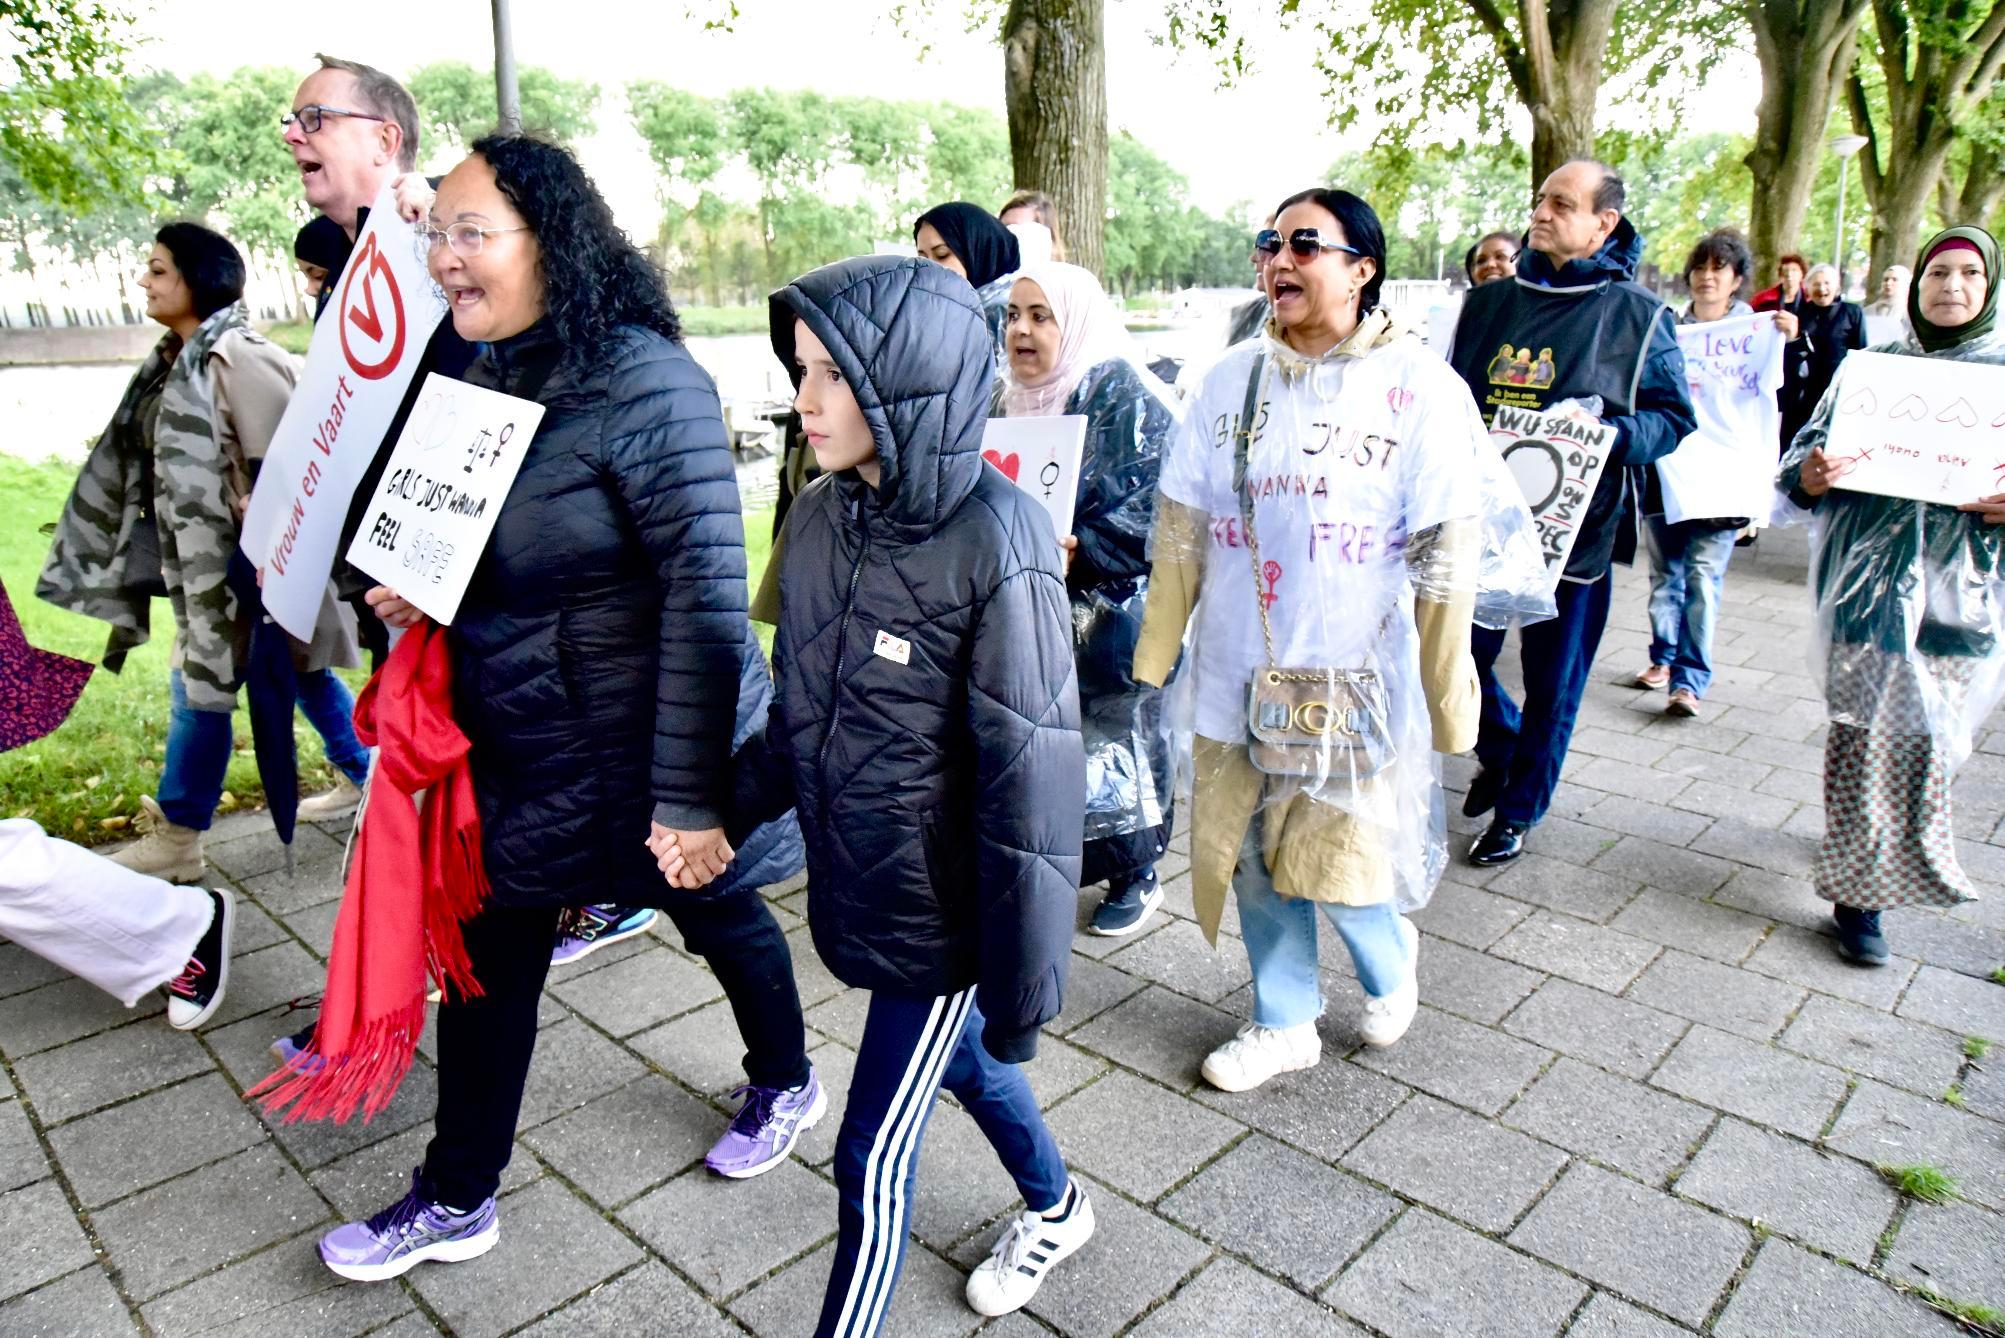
(1885, 329)
(1926, 428)
(441, 491)
(365, 349)
(1040, 456)
(1726, 467)
(1557, 458)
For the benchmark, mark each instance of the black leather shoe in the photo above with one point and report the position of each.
(1504, 842)
(1483, 792)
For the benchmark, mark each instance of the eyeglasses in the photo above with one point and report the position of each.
(465, 239)
(1304, 243)
(309, 117)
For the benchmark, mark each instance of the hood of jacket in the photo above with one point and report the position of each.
(910, 338)
(1615, 262)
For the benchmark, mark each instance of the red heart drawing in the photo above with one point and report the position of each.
(1008, 464)
(1958, 412)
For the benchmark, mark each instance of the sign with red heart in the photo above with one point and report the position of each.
(1040, 456)
(1931, 444)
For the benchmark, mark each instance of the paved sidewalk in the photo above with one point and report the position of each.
(1642, 1097)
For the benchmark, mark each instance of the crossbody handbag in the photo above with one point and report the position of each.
(1321, 724)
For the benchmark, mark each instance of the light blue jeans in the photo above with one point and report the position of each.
(1688, 568)
(1280, 935)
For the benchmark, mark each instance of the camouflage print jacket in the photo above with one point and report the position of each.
(197, 482)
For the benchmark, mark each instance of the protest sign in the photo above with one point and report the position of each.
(447, 476)
(1557, 458)
(1924, 428)
(1885, 329)
(1726, 468)
(364, 352)
(1040, 456)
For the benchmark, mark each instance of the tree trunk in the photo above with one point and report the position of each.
(1983, 188)
(1805, 48)
(1055, 85)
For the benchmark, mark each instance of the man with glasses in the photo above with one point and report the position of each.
(1597, 333)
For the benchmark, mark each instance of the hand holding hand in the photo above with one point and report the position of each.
(393, 608)
(414, 196)
(689, 860)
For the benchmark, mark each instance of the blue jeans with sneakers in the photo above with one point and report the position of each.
(1280, 935)
(326, 702)
(1688, 568)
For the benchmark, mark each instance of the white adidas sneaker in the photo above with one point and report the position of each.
(1027, 1250)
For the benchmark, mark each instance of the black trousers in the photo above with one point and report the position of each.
(485, 1044)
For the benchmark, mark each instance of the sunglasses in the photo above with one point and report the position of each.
(1304, 243)
(308, 117)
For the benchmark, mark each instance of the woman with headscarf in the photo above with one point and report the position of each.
(1069, 353)
(1910, 601)
(1828, 328)
(973, 243)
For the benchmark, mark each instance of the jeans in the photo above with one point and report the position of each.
(326, 702)
(912, 1046)
(1280, 935)
(1528, 746)
(1688, 567)
(197, 762)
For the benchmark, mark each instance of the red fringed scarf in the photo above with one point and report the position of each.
(415, 878)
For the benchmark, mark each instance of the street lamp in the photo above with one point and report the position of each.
(1844, 146)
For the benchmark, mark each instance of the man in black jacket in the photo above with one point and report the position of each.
(1598, 333)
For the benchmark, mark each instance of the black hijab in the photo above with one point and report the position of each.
(986, 248)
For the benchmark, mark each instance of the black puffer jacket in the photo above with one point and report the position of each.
(939, 785)
(601, 655)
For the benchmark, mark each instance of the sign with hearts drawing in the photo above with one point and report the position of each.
(1040, 456)
(1930, 441)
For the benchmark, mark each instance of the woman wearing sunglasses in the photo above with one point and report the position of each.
(1322, 497)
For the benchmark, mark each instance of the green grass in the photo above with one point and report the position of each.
(1976, 1047)
(1930, 1184)
(1953, 1096)
(292, 336)
(1998, 976)
(84, 780)
(1984, 1316)
(710, 321)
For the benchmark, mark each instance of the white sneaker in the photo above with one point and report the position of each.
(1257, 1053)
(338, 802)
(1027, 1250)
(1386, 1020)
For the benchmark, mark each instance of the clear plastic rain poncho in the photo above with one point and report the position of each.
(1382, 517)
(1101, 372)
(1910, 595)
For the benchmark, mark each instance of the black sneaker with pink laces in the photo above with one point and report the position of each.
(195, 994)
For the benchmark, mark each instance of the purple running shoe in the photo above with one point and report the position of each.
(406, 1234)
(766, 1127)
(589, 928)
(288, 1048)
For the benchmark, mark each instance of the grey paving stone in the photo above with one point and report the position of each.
(1670, 868)
(1963, 1004)
(1566, 839)
(1159, 1033)
(43, 1238)
(1427, 1277)
(1938, 940)
(1885, 1127)
(62, 1011)
(1287, 1213)
(1641, 817)
(703, 1048)
(1580, 951)
(1775, 896)
(1628, 778)
(1636, 747)
(1599, 1028)
(285, 1290)
(1693, 926)
(1613, 1120)
(1737, 838)
(1907, 1054)
(1459, 1061)
(1091, 989)
(1811, 959)
(1324, 1110)
(1801, 786)
(21, 1157)
(1789, 1290)
(835, 1065)
(1724, 997)
(314, 926)
(1606, 1317)
(1471, 916)
(255, 849)
(1721, 768)
(573, 1064)
(1097, 1128)
(23, 970)
(630, 1139)
(1552, 883)
(647, 1299)
(1742, 807)
(1832, 1203)
(1177, 956)
(1060, 1069)
(1472, 984)
(143, 1142)
(1984, 1089)
(507, 1287)
(1450, 1160)
(634, 994)
(248, 1201)
(1757, 1082)
(1953, 1249)
(316, 878)
(82, 1305)
(793, 1206)
(1780, 753)
(363, 1182)
(1228, 1297)
(841, 1018)
(1620, 1234)
(928, 1300)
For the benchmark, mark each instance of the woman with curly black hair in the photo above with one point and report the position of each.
(599, 659)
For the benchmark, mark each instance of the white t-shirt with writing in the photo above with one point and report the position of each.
(1349, 457)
